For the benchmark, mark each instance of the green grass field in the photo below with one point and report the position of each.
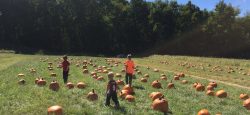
(30, 99)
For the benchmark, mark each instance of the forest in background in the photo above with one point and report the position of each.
(112, 27)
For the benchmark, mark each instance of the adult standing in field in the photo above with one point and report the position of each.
(129, 67)
(65, 65)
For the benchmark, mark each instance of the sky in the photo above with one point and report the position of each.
(243, 5)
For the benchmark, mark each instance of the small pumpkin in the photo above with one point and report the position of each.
(146, 75)
(81, 85)
(118, 75)
(144, 80)
(184, 81)
(36, 80)
(246, 104)
(176, 78)
(244, 96)
(100, 78)
(156, 70)
(210, 93)
(53, 74)
(130, 98)
(139, 72)
(170, 85)
(200, 87)
(20, 75)
(54, 86)
(41, 82)
(163, 78)
(55, 110)
(70, 85)
(181, 74)
(214, 84)
(85, 71)
(203, 112)
(156, 84)
(221, 94)
(92, 96)
(210, 87)
(160, 104)
(195, 84)
(155, 95)
(21, 82)
(119, 82)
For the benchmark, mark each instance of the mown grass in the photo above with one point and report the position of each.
(31, 99)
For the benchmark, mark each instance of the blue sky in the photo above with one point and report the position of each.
(243, 5)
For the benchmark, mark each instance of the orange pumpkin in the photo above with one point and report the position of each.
(246, 104)
(163, 78)
(184, 81)
(119, 82)
(155, 95)
(170, 85)
(210, 93)
(54, 86)
(100, 78)
(176, 78)
(210, 87)
(181, 74)
(156, 70)
(146, 75)
(160, 104)
(123, 94)
(92, 96)
(139, 72)
(41, 82)
(36, 80)
(200, 87)
(221, 94)
(55, 110)
(85, 71)
(130, 98)
(81, 85)
(144, 79)
(156, 84)
(195, 84)
(129, 89)
(70, 85)
(203, 112)
(118, 75)
(214, 84)
(244, 96)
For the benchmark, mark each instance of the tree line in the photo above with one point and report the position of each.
(112, 26)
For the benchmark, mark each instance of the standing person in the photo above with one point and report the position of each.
(65, 65)
(111, 91)
(129, 67)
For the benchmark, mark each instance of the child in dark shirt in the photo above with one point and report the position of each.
(111, 91)
(65, 65)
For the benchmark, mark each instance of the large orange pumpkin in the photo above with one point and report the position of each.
(203, 112)
(160, 104)
(221, 94)
(200, 87)
(156, 84)
(155, 95)
(129, 89)
(246, 104)
(210, 87)
(170, 85)
(123, 94)
(92, 96)
(55, 110)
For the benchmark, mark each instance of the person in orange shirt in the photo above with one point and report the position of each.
(129, 67)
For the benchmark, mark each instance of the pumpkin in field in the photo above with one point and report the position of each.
(163, 78)
(85, 71)
(146, 75)
(41, 82)
(144, 80)
(81, 85)
(181, 74)
(123, 94)
(21, 82)
(170, 85)
(130, 98)
(129, 89)
(119, 82)
(163, 75)
(195, 84)
(156, 70)
(214, 84)
(54, 86)
(160, 104)
(184, 81)
(100, 78)
(176, 78)
(244, 96)
(203, 112)
(246, 104)
(93, 73)
(148, 67)
(209, 87)
(20, 75)
(210, 93)
(200, 87)
(95, 76)
(70, 85)
(105, 71)
(53, 74)
(92, 96)
(123, 70)
(155, 95)
(55, 110)
(32, 70)
(84, 67)
(118, 75)
(221, 94)
(156, 84)
(36, 80)
(139, 73)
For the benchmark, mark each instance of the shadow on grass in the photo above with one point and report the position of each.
(122, 109)
(139, 87)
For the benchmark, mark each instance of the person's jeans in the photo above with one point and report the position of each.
(128, 78)
(65, 76)
(112, 96)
